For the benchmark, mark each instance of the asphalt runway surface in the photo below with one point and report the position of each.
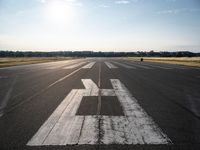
(100, 103)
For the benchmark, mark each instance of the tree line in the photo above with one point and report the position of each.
(4, 53)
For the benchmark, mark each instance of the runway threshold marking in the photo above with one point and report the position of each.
(124, 65)
(64, 127)
(111, 66)
(89, 66)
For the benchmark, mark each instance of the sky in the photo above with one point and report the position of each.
(100, 25)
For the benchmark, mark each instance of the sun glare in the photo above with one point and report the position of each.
(59, 11)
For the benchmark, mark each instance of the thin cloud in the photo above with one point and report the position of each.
(195, 10)
(20, 12)
(78, 4)
(122, 2)
(72, 2)
(177, 11)
(167, 12)
(171, 0)
(42, 1)
(134, 1)
(104, 6)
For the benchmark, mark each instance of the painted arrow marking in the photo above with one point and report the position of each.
(63, 127)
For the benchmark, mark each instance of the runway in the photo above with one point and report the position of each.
(100, 103)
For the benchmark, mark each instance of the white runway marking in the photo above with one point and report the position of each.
(88, 66)
(136, 127)
(111, 66)
(74, 66)
(57, 65)
(124, 65)
(63, 127)
(7, 97)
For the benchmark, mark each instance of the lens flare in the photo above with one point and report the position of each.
(59, 12)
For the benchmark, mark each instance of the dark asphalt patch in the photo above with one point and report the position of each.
(110, 106)
(88, 106)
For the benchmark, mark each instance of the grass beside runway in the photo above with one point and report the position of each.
(11, 61)
(188, 61)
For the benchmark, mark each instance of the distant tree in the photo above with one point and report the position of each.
(96, 54)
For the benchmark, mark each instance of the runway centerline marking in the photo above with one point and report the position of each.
(99, 95)
(63, 127)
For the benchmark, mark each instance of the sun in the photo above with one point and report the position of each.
(59, 11)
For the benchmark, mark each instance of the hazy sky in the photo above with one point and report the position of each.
(106, 25)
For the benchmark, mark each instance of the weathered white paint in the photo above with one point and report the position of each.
(88, 66)
(74, 65)
(57, 130)
(89, 132)
(63, 78)
(99, 96)
(124, 65)
(63, 127)
(7, 97)
(58, 65)
(111, 66)
(136, 127)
